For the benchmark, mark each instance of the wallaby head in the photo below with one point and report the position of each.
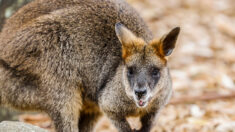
(145, 70)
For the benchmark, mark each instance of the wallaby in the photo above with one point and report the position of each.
(79, 59)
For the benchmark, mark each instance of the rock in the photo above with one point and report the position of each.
(13, 126)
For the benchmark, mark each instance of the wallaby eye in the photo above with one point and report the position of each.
(155, 72)
(130, 71)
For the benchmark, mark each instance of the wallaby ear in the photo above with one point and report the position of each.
(167, 42)
(130, 43)
(124, 35)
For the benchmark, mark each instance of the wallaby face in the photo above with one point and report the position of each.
(145, 64)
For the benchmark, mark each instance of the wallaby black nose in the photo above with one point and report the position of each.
(140, 92)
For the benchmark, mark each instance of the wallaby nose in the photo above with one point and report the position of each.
(140, 92)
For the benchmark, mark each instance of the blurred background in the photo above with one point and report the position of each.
(202, 66)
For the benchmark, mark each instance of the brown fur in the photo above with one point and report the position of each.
(63, 57)
(130, 49)
(157, 47)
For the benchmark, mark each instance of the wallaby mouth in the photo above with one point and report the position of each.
(141, 97)
(143, 101)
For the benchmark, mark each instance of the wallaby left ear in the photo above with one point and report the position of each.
(124, 35)
(167, 42)
(127, 39)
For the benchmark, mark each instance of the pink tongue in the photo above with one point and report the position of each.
(140, 102)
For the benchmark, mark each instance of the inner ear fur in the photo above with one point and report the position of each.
(124, 35)
(166, 44)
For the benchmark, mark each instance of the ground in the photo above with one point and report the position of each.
(202, 66)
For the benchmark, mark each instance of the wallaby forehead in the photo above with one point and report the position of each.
(146, 56)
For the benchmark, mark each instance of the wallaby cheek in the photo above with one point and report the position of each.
(126, 84)
(160, 85)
